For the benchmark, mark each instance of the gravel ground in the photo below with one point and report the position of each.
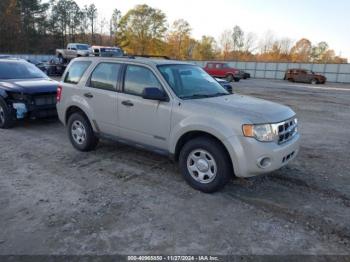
(118, 199)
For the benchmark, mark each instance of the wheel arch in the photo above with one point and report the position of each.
(184, 138)
(77, 109)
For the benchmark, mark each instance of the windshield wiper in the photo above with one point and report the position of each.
(197, 96)
(219, 94)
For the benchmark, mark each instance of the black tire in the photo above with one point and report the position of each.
(229, 78)
(223, 163)
(7, 118)
(90, 141)
(236, 79)
(313, 82)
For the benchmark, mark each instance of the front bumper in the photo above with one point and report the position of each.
(36, 106)
(251, 157)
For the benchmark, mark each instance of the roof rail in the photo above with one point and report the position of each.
(130, 56)
(150, 56)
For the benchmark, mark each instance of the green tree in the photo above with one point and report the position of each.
(205, 49)
(114, 25)
(91, 13)
(141, 30)
(179, 39)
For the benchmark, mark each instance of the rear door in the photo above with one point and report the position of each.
(146, 122)
(101, 94)
(303, 76)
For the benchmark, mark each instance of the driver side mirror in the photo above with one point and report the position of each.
(154, 93)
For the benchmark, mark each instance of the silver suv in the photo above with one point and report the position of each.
(177, 109)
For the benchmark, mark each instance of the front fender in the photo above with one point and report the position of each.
(195, 123)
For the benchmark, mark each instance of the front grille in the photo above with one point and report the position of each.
(43, 100)
(286, 130)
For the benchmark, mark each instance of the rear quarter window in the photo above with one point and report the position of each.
(76, 71)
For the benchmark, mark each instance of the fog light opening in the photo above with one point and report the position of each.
(264, 162)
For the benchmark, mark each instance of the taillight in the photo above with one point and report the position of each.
(59, 93)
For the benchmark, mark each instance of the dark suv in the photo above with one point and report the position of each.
(304, 76)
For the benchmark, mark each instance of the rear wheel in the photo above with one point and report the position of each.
(7, 119)
(205, 164)
(81, 133)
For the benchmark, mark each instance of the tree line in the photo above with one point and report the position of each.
(34, 26)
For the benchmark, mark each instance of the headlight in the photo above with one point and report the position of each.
(263, 133)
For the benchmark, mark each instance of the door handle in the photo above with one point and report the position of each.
(88, 95)
(127, 103)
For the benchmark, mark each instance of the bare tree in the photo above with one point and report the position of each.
(226, 43)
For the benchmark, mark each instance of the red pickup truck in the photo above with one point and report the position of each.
(222, 70)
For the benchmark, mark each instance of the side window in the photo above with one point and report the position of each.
(210, 66)
(137, 78)
(76, 71)
(105, 76)
(218, 66)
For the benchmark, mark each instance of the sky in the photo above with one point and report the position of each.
(317, 20)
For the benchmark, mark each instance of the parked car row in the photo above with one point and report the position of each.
(169, 107)
(74, 50)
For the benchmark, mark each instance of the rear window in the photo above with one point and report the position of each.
(76, 71)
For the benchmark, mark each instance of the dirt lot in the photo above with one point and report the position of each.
(117, 199)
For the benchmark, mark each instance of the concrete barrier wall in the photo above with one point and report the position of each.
(339, 73)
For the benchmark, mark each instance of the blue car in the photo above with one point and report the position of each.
(25, 92)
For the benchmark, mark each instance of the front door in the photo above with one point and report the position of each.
(143, 121)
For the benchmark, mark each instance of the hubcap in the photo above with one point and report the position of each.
(2, 115)
(202, 166)
(78, 132)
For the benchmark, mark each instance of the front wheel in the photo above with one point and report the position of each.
(205, 164)
(314, 82)
(81, 133)
(7, 119)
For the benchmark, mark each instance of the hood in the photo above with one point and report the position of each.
(256, 110)
(30, 86)
(320, 76)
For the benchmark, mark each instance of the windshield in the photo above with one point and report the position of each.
(191, 82)
(19, 70)
(82, 47)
